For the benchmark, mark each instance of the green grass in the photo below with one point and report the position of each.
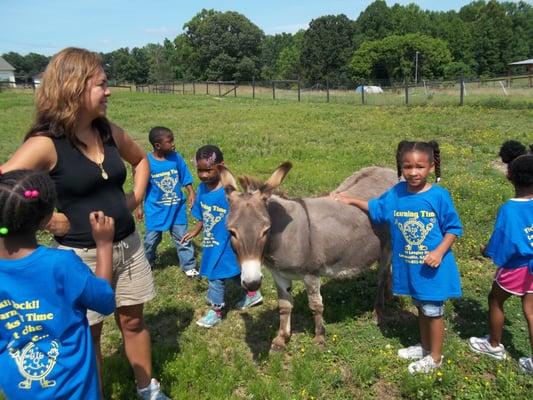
(326, 143)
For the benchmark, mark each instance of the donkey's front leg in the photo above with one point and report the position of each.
(312, 286)
(283, 286)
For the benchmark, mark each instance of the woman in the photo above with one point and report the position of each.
(83, 152)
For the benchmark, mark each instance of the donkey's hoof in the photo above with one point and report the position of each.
(320, 342)
(278, 344)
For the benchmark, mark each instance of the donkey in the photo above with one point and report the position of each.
(304, 239)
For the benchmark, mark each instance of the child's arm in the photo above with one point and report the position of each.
(434, 257)
(345, 198)
(103, 230)
(195, 231)
(191, 195)
(139, 212)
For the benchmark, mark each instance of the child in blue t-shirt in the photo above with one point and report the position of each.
(511, 248)
(46, 350)
(219, 262)
(164, 203)
(423, 225)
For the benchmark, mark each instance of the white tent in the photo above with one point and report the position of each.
(369, 89)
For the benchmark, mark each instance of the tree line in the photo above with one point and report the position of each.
(384, 44)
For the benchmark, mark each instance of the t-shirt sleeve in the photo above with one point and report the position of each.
(377, 208)
(448, 217)
(93, 293)
(196, 210)
(184, 172)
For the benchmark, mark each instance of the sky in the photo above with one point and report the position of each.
(47, 26)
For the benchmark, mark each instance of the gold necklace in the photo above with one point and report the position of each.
(102, 170)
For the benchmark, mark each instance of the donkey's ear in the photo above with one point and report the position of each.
(227, 179)
(275, 179)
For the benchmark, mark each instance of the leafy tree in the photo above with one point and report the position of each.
(271, 48)
(27, 66)
(226, 45)
(409, 19)
(373, 23)
(392, 58)
(326, 49)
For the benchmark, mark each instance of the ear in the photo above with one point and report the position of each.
(275, 179)
(227, 179)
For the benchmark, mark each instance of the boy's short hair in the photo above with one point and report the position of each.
(158, 132)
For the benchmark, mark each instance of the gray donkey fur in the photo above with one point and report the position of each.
(307, 238)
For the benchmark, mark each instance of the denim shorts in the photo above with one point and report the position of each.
(429, 308)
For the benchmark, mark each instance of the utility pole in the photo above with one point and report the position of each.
(416, 67)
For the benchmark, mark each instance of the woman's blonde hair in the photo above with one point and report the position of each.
(59, 98)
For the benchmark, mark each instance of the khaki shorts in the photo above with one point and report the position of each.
(132, 276)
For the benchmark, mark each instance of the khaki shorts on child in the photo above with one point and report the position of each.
(132, 276)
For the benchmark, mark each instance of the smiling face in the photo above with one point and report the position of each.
(96, 94)
(416, 166)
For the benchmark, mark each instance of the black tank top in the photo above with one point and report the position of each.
(81, 189)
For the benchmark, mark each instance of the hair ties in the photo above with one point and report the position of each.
(4, 231)
(31, 194)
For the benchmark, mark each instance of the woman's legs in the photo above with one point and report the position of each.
(130, 321)
(96, 333)
(497, 297)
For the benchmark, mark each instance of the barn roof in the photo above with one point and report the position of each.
(5, 66)
(523, 62)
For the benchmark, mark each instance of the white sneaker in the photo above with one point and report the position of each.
(192, 273)
(425, 365)
(526, 364)
(483, 346)
(415, 352)
(152, 392)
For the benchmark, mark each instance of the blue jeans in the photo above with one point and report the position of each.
(185, 250)
(216, 289)
(432, 309)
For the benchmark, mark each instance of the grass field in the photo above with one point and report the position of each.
(326, 143)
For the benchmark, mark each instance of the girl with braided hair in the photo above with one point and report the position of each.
(423, 224)
(511, 248)
(46, 350)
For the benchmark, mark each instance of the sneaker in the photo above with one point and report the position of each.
(425, 365)
(483, 346)
(209, 320)
(526, 364)
(192, 273)
(250, 299)
(415, 352)
(152, 392)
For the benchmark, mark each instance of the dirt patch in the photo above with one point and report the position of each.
(499, 166)
(386, 391)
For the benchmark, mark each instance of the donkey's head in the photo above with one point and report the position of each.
(249, 222)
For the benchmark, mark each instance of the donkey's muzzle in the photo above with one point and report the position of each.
(251, 286)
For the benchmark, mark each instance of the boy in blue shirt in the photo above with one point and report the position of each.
(164, 202)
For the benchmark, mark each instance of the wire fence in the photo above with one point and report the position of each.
(512, 91)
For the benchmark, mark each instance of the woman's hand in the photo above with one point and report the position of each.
(58, 225)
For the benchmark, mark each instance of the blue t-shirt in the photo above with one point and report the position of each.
(164, 203)
(46, 350)
(511, 243)
(218, 258)
(418, 223)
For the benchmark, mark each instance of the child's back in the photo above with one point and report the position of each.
(44, 335)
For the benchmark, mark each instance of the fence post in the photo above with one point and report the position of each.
(183, 87)
(327, 90)
(235, 88)
(362, 92)
(218, 88)
(462, 91)
(299, 88)
(193, 88)
(207, 87)
(253, 87)
(406, 93)
(273, 90)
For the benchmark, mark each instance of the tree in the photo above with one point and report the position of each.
(373, 23)
(326, 49)
(392, 58)
(226, 45)
(271, 48)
